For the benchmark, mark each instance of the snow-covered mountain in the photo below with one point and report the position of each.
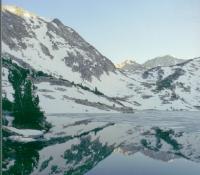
(60, 52)
(40, 42)
(72, 76)
(130, 65)
(169, 88)
(166, 60)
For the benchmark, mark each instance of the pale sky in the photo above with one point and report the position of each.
(128, 29)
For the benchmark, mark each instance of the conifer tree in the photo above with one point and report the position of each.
(26, 108)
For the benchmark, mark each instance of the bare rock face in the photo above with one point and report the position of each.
(23, 32)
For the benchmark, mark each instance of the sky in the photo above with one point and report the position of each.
(128, 29)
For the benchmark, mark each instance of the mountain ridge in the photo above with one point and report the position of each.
(75, 77)
(131, 65)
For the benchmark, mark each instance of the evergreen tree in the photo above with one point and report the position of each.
(26, 104)
(17, 80)
(31, 109)
(6, 104)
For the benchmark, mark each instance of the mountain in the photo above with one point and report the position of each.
(50, 43)
(174, 87)
(166, 60)
(70, 75)
(170, 88)
(129, 65)
(68, 72)
(132, 66)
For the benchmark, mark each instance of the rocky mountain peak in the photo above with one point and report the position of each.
(124, 63)
(129, 65)
(57, 21)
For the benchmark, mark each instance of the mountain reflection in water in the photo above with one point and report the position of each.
(146, 143)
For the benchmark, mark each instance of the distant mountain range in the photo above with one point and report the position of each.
(130, 65)
(70, 75)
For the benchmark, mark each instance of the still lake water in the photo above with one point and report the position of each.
(143, 143)
(138, 164)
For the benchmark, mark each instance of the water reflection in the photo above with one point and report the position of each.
(140, 164)
(84, 151)
(20, 158)
(86, 155)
